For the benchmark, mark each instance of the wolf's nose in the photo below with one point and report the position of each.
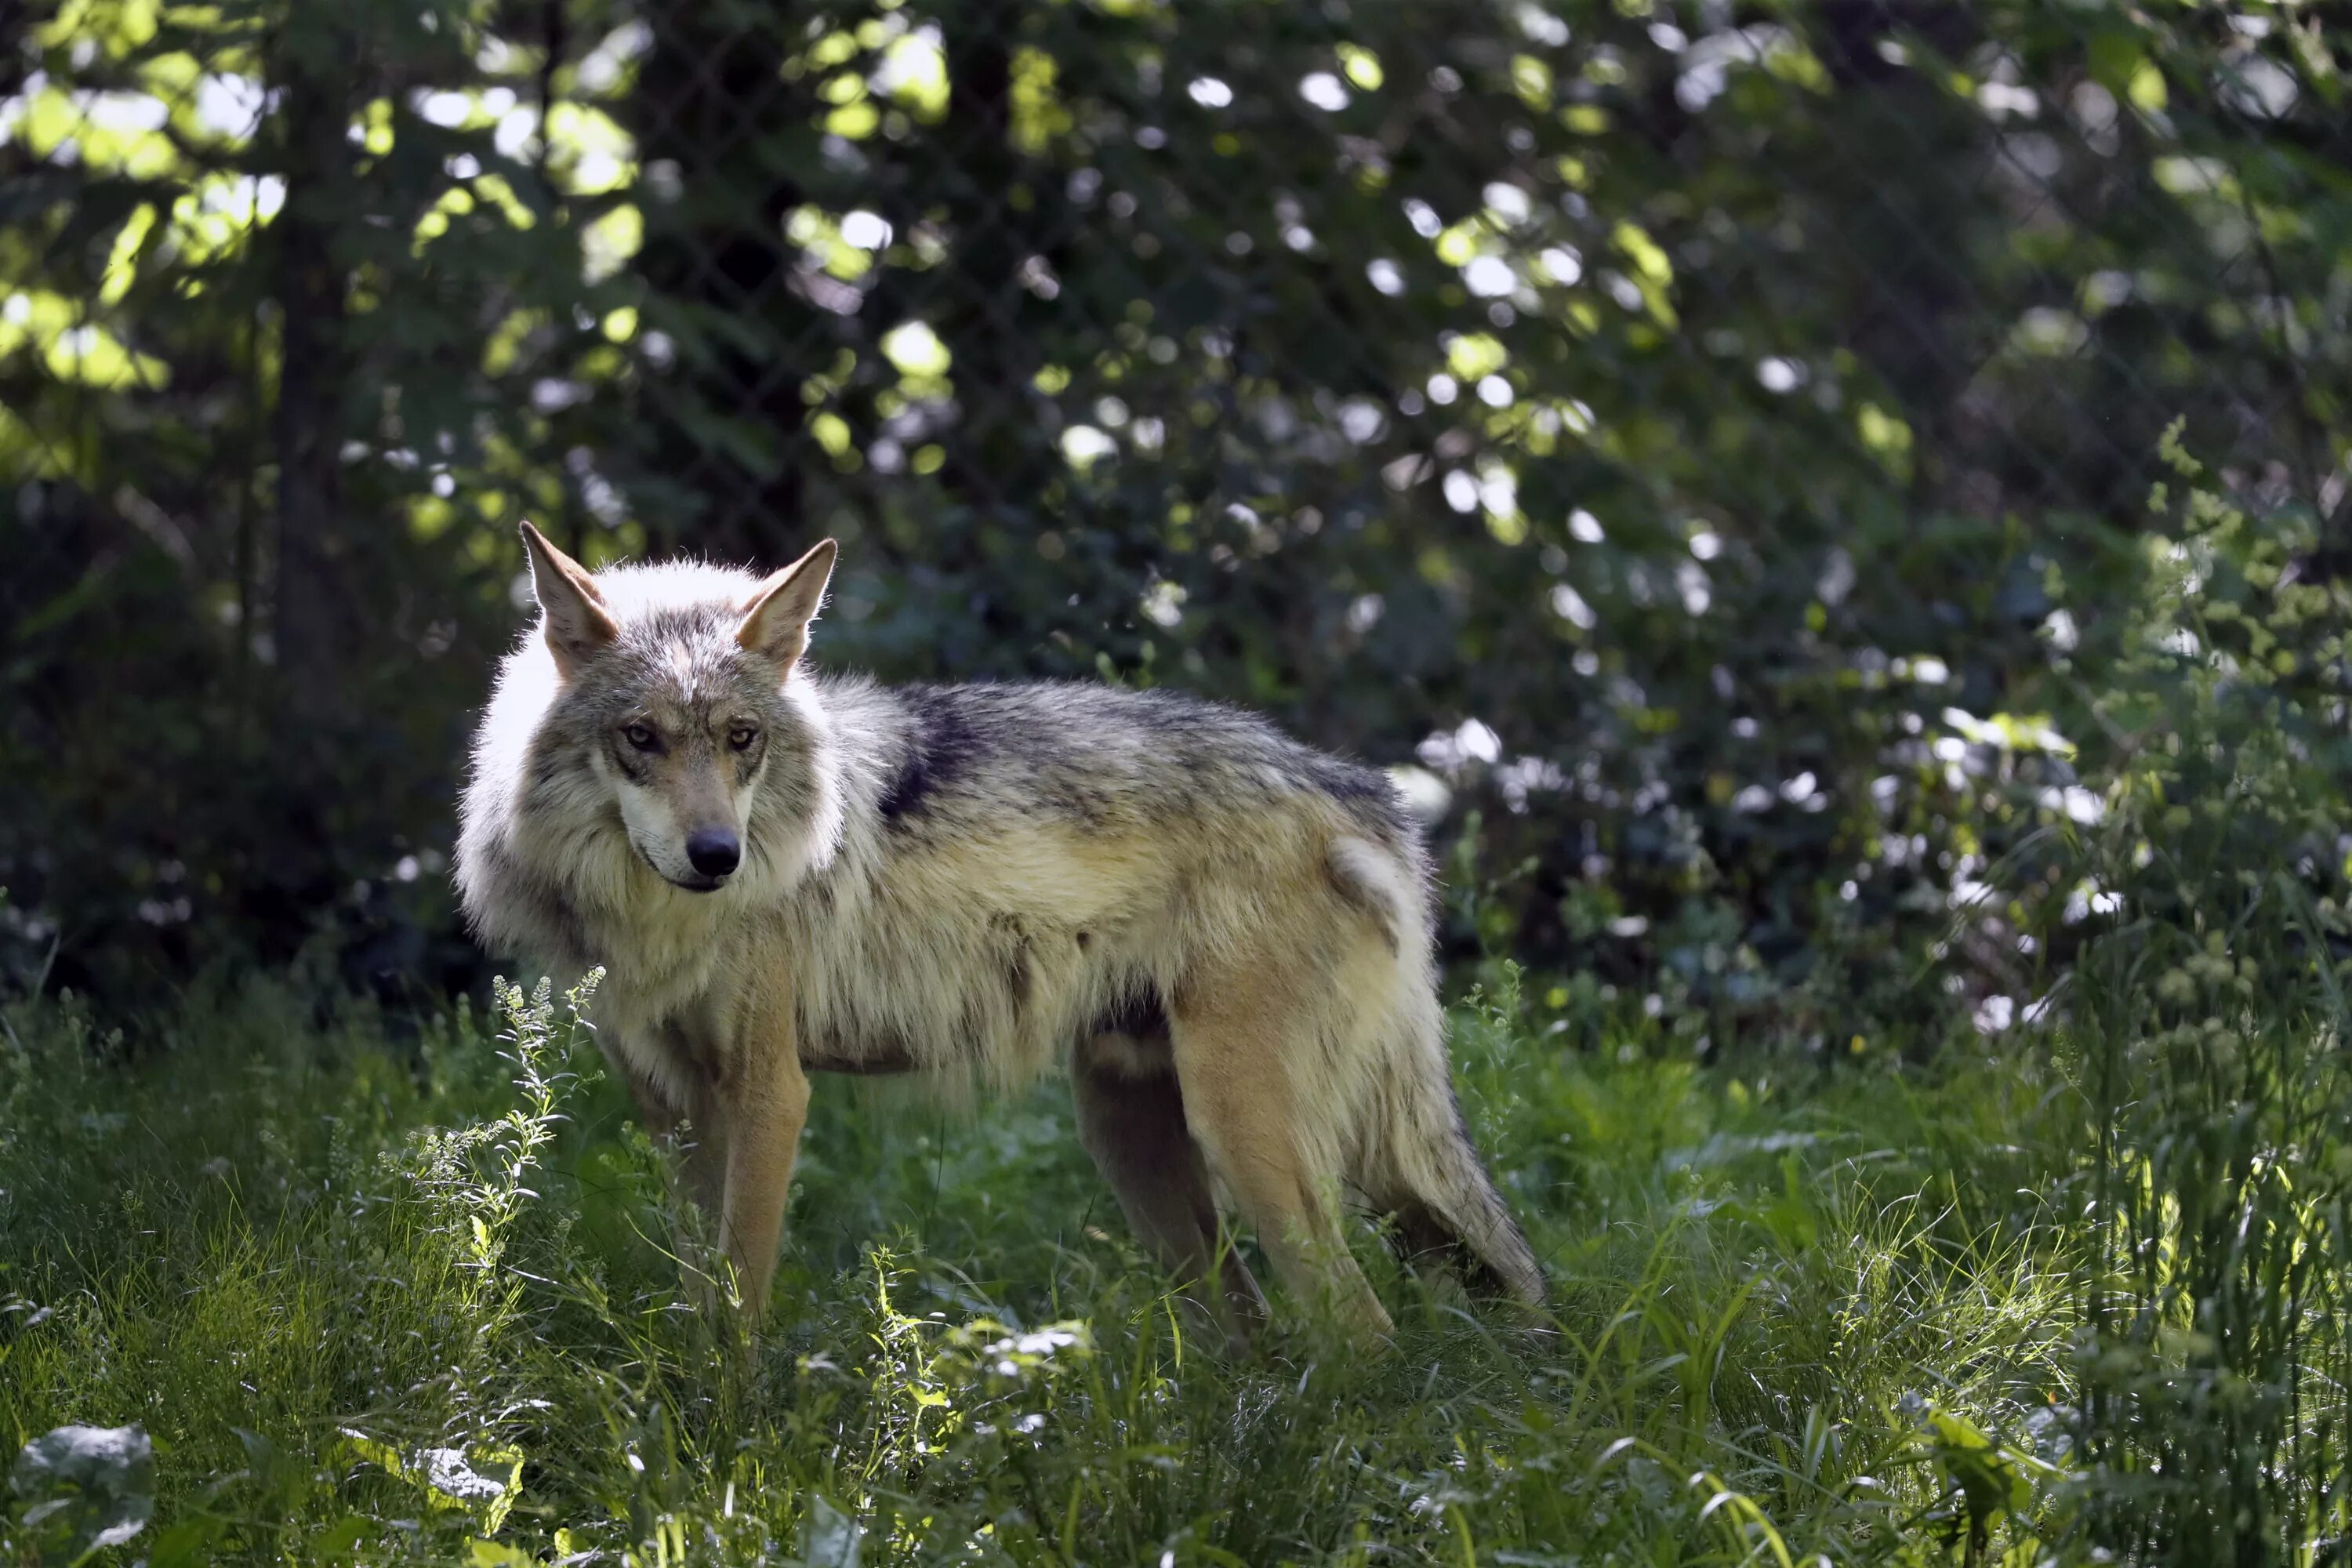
(713, 850)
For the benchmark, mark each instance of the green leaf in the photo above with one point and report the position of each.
(84, 1488)
(831, 1538)
(336, 1543)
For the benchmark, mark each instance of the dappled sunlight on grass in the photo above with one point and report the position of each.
(1780, 1306)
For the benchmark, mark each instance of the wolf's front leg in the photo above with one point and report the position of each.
(682, 1125)
(762, 1107)
(679, 1121)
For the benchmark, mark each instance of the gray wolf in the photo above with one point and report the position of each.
(1222, 936)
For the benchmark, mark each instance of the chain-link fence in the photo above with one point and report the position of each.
(1655, 422)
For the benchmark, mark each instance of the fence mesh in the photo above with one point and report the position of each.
(1590, 405)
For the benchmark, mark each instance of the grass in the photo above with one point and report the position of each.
(1801, 1314)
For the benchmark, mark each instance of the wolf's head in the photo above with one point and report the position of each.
(673, 684)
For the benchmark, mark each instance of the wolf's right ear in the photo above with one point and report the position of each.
(578, 621)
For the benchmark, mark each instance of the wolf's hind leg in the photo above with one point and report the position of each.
(1131, 1120)
(1231, 1037)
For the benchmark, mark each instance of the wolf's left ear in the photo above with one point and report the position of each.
(775, 624)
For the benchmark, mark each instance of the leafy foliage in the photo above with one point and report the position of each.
(1655, 421)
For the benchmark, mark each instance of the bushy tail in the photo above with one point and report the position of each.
(1442, 1198)
(1418, 1163)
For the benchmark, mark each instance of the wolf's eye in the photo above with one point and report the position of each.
(742, 736)
(641, 736)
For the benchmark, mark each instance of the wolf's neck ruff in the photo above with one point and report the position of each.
(1221, 934)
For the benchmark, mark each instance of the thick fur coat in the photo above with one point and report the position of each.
(1221, 935)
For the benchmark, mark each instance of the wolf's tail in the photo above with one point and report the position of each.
(1415, 1159)
(1438, 1187)
(1445, 1202)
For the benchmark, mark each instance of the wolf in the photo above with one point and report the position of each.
(1221, 936)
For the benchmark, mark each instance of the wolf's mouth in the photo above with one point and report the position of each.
(694, 883)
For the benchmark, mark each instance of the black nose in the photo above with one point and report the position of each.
(713, 850)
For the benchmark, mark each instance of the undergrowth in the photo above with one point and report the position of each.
(1785, 1307)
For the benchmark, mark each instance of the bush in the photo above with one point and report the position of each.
(1655, 427)
(2209, 1019)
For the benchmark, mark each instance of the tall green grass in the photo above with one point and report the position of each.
(350, 1337)
(2208, 1028)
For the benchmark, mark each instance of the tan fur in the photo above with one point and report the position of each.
(1246, 1053)
(1222, 936)
(1131, 1120)
(759, 1103)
